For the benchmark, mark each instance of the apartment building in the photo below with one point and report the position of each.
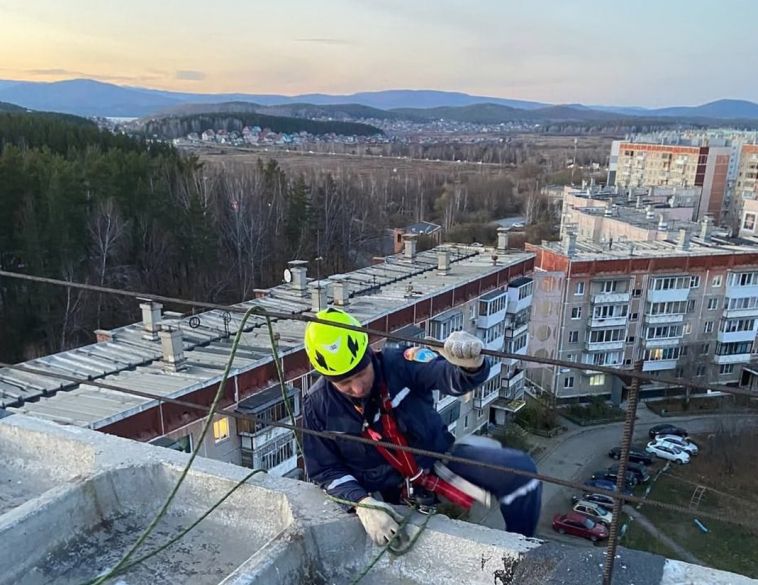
(487, 291)
(686, 307)
(639, 164)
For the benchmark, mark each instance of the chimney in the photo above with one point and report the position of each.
(683, 242)
(103, 336)
(318, 296)
(705, 229)
(172, 346)
(662, 225)
(443, 261)
(638, 205)
(649, 213)
(340, 291)
(569, 244)
(151, 319)
(299, 271)
(608, 208)
(410, 241)
(502, 240)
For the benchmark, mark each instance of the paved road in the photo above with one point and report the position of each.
(580, 451)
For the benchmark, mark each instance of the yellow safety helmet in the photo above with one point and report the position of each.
(334, 351)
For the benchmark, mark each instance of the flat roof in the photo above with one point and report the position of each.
(131, 361)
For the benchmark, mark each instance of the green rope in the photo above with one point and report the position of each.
(162, 512)
(184, 532)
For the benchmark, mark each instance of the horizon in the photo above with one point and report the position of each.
(587, 52)
(371, 91)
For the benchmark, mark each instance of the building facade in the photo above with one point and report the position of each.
(685, 308)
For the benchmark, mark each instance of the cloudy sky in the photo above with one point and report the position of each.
(645, 52)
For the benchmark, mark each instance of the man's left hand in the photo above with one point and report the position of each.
(463, 350)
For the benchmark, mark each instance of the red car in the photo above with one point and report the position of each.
(579, 525)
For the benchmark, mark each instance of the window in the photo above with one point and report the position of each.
(749, 222)
(465, 422)
(694, 281)
(570, 357)
(609, 286)
(705, 348)
(700, 370)
(576, 313)
(633, 317)
(664, 332)
(673, 282)
(221, 429)
(726, 369)
(273, 453)
(661, 353)
(734, 348)
(708, 327)
(667, 308)
(713, 303)
(568, 382)
(609, 311)
(579, 288)
(716, 281)
(606, 335)
(734, 325)
(519, 343)
(743, 278)
(443, 325)
(742, 303)
(525, 291)
(630, 339)
(637, 292)
(687, 329)
(597, 379)
(573, 336)
(691, 306)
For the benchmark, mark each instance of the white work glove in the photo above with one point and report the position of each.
(463, 350)
(378, 520)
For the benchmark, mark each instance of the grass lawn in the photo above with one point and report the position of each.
(726, 546)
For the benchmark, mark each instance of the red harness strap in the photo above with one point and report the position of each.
(404, 462)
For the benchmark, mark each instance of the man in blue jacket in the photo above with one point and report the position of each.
(388, 396)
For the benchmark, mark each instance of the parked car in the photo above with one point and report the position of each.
(666, 429)
(668, 452)
(605, 501)
(630, 479)
(686, 445)
(604, 484)
(638, 471)
(635, 455)
(594, 511)
(579, 525)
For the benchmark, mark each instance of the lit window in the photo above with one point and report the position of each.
(597, 379)
(221, 429)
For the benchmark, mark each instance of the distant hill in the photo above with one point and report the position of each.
(179, 126)
(721, 109)
(336, 112)
(85, 97)
(497, 114)
(6, 107)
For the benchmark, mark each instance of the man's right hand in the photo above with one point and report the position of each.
(378, 518)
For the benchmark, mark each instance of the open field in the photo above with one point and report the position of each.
(725, 467)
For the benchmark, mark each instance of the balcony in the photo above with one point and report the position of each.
(514, 381)
(662, 342)
(740, 292)
(489, 321)
(445, 401)
(516, 329)
(736, 336)
(670, 295)
(483, 401)
(496, 344)
(735, 313)
(611, 297)
(656, 365)
(516, 305)
(608, 321)
(664, 318)
(605, 345)
(736, 358)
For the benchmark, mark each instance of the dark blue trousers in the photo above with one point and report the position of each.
(520, 497)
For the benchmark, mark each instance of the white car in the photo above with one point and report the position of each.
(685, 445)
(667, 451)
(594, 511)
